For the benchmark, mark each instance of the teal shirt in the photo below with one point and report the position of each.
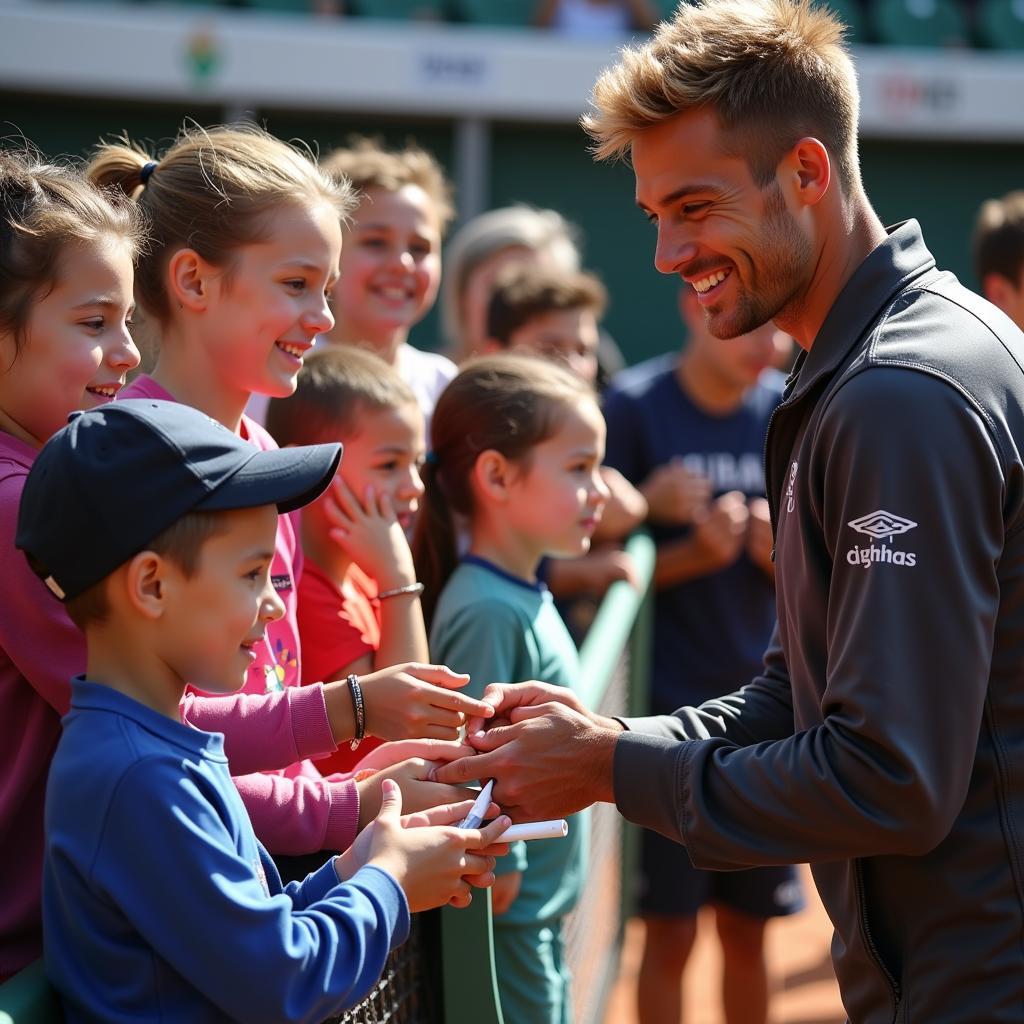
(500, 629)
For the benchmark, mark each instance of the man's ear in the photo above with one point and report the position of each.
(805, 171)
(492, 475)
(145, 583)
(189, 280)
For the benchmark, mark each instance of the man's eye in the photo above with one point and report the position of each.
(689, 209)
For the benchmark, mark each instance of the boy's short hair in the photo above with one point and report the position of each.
(366, 164)
(525, 291)
(118, 478)
(334, 386)
(181, 543)
(772, 70)
(998, 243)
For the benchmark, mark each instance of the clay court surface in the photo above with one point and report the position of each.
(804, 986)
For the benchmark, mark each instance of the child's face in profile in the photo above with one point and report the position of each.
(568, 336)
(557, 498)
(386, 454)
(76, 347)
(215, 620)
(267, 307)
(390, 264)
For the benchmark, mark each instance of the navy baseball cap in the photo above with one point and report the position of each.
(117, 476)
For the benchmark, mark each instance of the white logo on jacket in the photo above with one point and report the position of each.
(881, 526)
(792, 484)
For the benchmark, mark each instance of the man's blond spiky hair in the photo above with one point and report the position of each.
(773, 70)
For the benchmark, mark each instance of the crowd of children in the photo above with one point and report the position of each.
(226, 672)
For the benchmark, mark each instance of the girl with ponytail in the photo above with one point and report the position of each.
(516, 443)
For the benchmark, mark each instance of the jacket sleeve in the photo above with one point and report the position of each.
(761, 710)
(908, 646)
(264, 732)
(172, 868)
(300, 815)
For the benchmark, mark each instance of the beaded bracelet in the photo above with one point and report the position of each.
(359, 709)
(409, 588)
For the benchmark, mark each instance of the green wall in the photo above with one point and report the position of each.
(941, 184)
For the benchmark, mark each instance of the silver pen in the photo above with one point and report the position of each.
(476, 813)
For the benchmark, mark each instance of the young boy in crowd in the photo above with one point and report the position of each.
(544, 311)
(998, 250)
(157, 897)
(359, 602)
(689, 430)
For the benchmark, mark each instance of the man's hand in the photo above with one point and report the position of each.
(759, 535)
(554, 758)
(369, 532)
(674, 493)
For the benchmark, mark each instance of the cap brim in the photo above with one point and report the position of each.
(286, 477)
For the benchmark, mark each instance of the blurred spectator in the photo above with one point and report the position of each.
(477, 254)
(999, 254)
(594, 19)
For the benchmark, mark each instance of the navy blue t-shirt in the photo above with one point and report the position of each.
(710, 632)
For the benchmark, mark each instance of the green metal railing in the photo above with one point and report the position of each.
(614, 662)
(614, 665)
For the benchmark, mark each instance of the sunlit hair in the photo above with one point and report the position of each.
(336, 386)
(774, 71)
(545, 232)
(45, 209)
(181, 543)
(212, 191)
(998, 243)
(524, 291)
(366, 164)
(506, 403)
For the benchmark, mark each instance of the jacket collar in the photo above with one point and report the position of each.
(887, 270)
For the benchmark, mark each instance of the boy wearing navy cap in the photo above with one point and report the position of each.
(158, 900)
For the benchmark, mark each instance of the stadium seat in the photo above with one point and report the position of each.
(28, 999)
(496, 12)
(406, 10)
(1000, 23)
(927, 23)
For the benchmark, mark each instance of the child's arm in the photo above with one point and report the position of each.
(625, 509)
(174, 871)
(369, 533)
(434, 862)
(266, 731)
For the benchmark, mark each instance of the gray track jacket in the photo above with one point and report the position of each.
(884, 741)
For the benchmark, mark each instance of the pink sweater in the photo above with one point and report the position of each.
(294, 809)
(41, 649)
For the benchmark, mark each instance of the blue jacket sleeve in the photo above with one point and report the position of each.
(170, 864)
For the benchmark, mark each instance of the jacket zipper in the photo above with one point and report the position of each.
(869, 942)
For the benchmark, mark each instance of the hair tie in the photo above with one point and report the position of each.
(147, 169)
(430, 458)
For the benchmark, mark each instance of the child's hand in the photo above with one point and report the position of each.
(504, 892)
(419, 792)
(417, 701)
(388, 754)
(434, 863)
(369, 532)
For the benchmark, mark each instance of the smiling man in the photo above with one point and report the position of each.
(883, 740)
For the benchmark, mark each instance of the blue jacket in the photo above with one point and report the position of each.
(159, 903)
